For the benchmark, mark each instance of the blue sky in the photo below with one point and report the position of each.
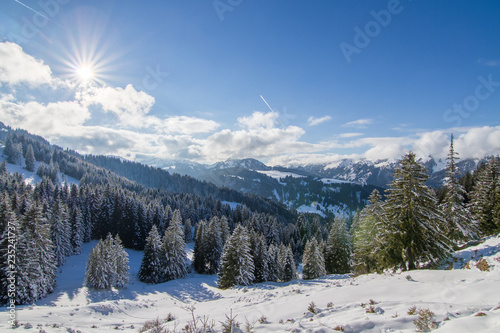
(183, 79)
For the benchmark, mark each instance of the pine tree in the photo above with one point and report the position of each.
(188, 231)
(107, 266)
(151, 270)
(9, 229)
(237, 263)
(120, 257)
(338, 248)
(199, 252)
(313, 261)
(77, 231)
(274, 264)
(213, 246)
(174, 249)
(60, 232)
(459, 224)
(288, 270)
(30, 159)
(484, 198)
(415, 230)
(260, 257)
(367, 232)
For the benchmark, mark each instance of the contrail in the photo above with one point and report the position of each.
(48, 18)
(270, 108)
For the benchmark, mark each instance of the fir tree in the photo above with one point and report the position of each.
(313, 261)
(484, 198)
(107, 265)
(288, 270)
(367, 232)
(30, 159)
(77, 231)
(151, 270)
(188, 231)
(274, 264)
(260, 257)
(174, 249)
(459, 224)
(415, 224)
(338, 248)
(200, 250)
(213, 246)
(237, 263)
(60, 232)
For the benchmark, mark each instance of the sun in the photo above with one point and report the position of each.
(85, 73)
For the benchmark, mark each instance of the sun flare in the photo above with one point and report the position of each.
(85, 73)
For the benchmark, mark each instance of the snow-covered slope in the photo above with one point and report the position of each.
(464, 299)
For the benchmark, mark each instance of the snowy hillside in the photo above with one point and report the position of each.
(464, 299)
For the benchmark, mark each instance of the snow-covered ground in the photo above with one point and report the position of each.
(464, 299)
(279, 174)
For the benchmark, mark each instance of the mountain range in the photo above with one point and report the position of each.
(343, 187)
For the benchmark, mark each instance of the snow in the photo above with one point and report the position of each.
(231, 204)
(312, 208)
(335, 181)
(32, 178)
(279, 174)
(455, 296)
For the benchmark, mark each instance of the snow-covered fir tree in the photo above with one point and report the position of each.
(174, 249)
(60, 231)
(30, 159)
(236, 266)
(260, 257)
(485, 197)
(288, 269)
(338, 248)
(151, 270)
(367, 232)
(313, 261)
(121, 264)
(213, 245)
(200, 251)
(416, 227)
(274, 265)
(9, 225)
(107, 265)
(77, 231)
(459, 224)
(188, 231)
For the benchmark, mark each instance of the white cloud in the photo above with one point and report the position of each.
(49, 120)
(360, 123)
(349, 135)
(128, 104)
(259, 119)
(313, 121)
(17, 67)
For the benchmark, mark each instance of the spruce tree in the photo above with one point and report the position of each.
(199, 253)
(121, 264)
(174, 249)
(288, 270)
(260, 257)
(151, 270)
(338, 248)
(237, 263)
(30, 159)
(459, 223)
(274, 264)
(484, 198)
(415, 230)
(60, 232)
(368, 247)
(313, 261)
(213, 246)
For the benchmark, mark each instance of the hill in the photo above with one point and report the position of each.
(462, 300)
